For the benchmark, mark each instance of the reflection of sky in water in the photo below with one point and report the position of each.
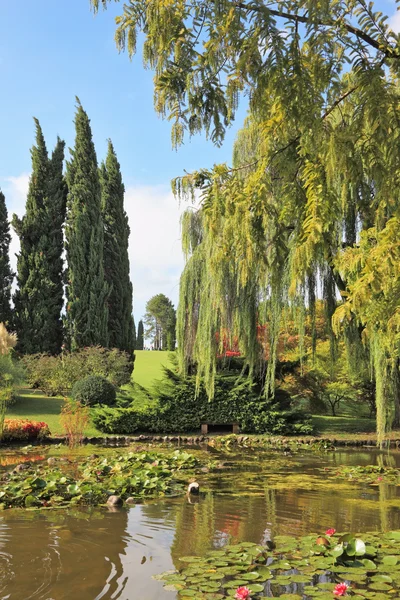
(99, 554)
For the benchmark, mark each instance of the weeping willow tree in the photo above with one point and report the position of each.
(310, 203)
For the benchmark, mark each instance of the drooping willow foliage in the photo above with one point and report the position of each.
(310, 205)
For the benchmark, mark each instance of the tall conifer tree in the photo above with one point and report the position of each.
(39, 298)
(87, 290)
(116, 258)
(140, 336)
(6, 275)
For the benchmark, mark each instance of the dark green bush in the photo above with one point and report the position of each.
(94, 390)
(179, 409)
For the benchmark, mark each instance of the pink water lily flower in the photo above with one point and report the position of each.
(242, 593)
(330, 532)
(340, 589)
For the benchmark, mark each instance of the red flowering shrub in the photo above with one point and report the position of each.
(23, 429)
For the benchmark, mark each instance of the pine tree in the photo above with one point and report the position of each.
(116, 258)
(39, 298)
(6, 275)
(87, 290)
(140, 336)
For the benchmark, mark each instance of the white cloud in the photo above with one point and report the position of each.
(15, 190)
(394, 22)
(155, 247)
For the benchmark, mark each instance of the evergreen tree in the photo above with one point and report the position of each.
(6, 275)
(116, 258)
(39, 298)
(140, 336)
(134, 331)
(56, 210)
(87, 290)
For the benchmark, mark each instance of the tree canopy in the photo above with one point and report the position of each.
(160, 321)
(310, 204)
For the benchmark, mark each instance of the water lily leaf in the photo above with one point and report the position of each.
(253, 576)
(382, 578)
(390, 560)
(384, 587)
(190, 559)
(173, 587)
(369, 564)
(256, 587)
(30, 501)
(337, 551)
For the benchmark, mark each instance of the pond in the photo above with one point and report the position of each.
(93, 554)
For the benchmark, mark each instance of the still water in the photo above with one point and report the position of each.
(93, 554)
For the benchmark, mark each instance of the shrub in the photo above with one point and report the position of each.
(179, 409)
(94, 390)
(74, 419)
(23, 429)
(56, 375)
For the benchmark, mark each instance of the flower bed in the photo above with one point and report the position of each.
(16, 430)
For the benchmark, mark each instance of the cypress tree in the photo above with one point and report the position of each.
(56, 210)
(140, 336)
(6, 275)
(116, 258)
(87, 290)
(39, 298)
(134, 331)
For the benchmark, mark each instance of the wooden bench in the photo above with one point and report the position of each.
(224, 427)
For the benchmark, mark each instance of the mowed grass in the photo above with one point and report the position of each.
(343, 425)
(149, 366)
(36, 406)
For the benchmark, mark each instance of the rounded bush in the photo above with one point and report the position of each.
(94, 390)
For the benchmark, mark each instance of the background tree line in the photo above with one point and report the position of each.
(81, 212)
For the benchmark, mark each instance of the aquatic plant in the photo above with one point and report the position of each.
(295, 569)
(91, 482)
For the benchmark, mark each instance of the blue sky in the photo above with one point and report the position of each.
(54, 50)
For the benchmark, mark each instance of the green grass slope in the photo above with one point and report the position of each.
(148, 366)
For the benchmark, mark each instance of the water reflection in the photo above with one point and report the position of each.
(99, 554)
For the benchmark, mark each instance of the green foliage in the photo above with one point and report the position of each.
(138, 475)
(57, 374)
(87, 290)
(180, 409)
(313, 566)
(160, 320)
(94, 389)
(74, 419)
(140, 336)
(312, 196)
(116, 259)
(6, 275)
(38, 299)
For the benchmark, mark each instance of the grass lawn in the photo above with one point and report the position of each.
(148, 366)
(34, 405)
(341, 426)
